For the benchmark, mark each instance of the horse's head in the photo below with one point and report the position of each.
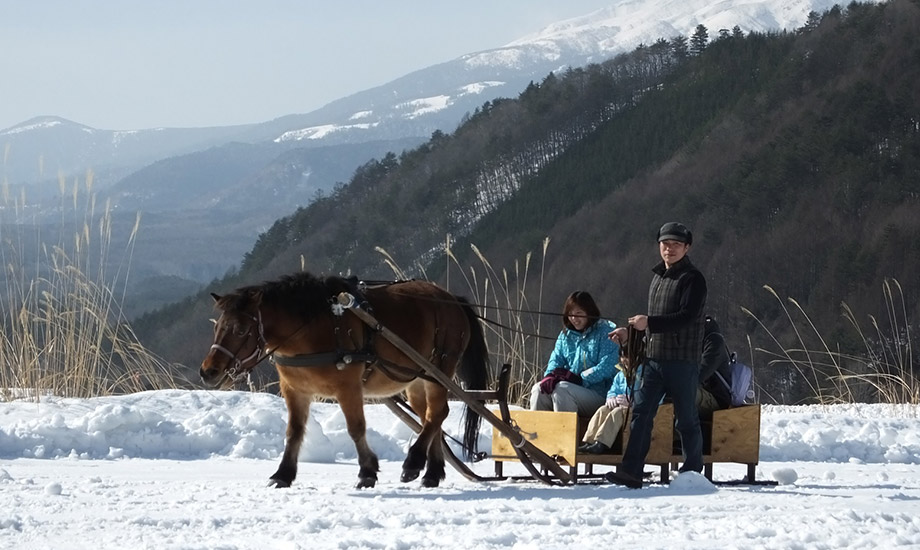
(239, 339)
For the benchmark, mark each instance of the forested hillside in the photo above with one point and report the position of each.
(794, 157)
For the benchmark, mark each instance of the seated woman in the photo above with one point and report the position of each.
(581, 366)
(609, 418)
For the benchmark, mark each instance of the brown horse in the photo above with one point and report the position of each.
(323, 350)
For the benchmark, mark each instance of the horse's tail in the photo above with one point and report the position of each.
(474, 373)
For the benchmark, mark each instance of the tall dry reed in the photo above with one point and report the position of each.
(64, 332)
(510, 303)
(883, 371)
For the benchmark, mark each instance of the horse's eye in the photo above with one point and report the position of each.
(241, 330)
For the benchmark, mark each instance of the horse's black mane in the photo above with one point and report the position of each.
(302, 294)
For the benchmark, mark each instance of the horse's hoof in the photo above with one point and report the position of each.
(278, 483)
(428, 482)
(409, 475)
(366, 483)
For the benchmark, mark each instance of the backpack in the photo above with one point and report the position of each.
(741, 378)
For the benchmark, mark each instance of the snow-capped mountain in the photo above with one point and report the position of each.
(42, 147)
(631, 22)
(432, 98)
(179, 177)
(435, 98)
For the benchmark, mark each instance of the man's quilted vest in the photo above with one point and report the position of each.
(664, 297)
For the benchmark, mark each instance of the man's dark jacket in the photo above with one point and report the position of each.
(676, 299)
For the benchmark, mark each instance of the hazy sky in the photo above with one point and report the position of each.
(131, 64)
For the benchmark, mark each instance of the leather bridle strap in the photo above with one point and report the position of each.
(258, 354)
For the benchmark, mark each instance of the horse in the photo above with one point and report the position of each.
(321, 349)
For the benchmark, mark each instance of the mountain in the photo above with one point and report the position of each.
(413, 106)
(214, 190)
(40, 148)
(793, 156)
(437, 97)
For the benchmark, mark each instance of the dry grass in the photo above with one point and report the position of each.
(883, 372)
(63, 329)
(511, 305)
(809, 370)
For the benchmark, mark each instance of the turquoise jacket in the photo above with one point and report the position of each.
(619, 383)
(589, 354)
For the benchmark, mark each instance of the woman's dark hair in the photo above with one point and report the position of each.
(581, 299)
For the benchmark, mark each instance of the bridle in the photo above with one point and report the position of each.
(237, 369)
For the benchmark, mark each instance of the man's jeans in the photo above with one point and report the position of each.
(679, 381)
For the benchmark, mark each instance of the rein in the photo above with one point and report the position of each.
(506, 327)
(496, 308)
(484, 306)
(635, 353)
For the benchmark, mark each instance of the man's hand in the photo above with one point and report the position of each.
(639, 321)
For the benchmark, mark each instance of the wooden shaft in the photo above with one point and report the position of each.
(347, 300)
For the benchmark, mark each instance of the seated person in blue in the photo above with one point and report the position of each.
(581, 367)
(609, 418)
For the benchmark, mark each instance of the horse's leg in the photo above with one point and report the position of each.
(437, 414)
(418, 452)
(298, 405)
(352, 405)
(428, 445)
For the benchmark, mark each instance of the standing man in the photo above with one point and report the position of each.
(676, 299)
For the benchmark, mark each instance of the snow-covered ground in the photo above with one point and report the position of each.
(176, 469)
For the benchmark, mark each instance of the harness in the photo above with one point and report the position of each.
(366, 353)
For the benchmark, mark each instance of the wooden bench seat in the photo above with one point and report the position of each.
(733, 435)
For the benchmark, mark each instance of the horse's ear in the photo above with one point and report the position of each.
(216, 297)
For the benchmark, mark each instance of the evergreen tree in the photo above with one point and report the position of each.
(699, 40)
(679, 47)
(814, 19)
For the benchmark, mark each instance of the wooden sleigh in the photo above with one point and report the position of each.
(733, 436)
(545, 442)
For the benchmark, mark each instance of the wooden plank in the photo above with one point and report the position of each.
(736, 435)
(736, 438)
(661, 448)
(554, 433)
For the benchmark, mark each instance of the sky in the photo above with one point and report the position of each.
(125, 65)
(188, 470)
